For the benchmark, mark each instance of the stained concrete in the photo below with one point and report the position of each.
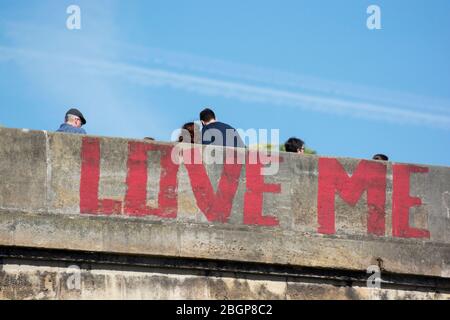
(40, 208)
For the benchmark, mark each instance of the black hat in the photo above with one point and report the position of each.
(76, 112)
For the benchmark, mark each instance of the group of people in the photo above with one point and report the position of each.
(213, 132)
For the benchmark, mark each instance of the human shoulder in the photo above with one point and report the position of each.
(70, 129)
(223, 125)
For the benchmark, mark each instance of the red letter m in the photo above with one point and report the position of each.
(370, 176)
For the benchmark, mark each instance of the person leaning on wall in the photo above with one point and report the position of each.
(218, 133)
(380, 157)
(190, 133)
(295, 145)
(74, 120)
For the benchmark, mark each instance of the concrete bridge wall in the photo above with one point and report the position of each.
(309, 230)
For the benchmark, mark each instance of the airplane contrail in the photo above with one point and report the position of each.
(239, 90)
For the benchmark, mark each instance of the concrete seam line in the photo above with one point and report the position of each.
(49, 171)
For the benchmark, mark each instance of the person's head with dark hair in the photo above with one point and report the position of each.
(218, 133)
(190, 133)
(207, 116)
(295, 145)
(380, 157)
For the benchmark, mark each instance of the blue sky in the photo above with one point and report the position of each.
(310, 68)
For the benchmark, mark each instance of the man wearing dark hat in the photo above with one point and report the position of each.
(73, 122)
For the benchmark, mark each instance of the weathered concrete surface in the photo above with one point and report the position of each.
(27, 281)
(31, 274)
(169, 238)
(23, 170)
(60, 191)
